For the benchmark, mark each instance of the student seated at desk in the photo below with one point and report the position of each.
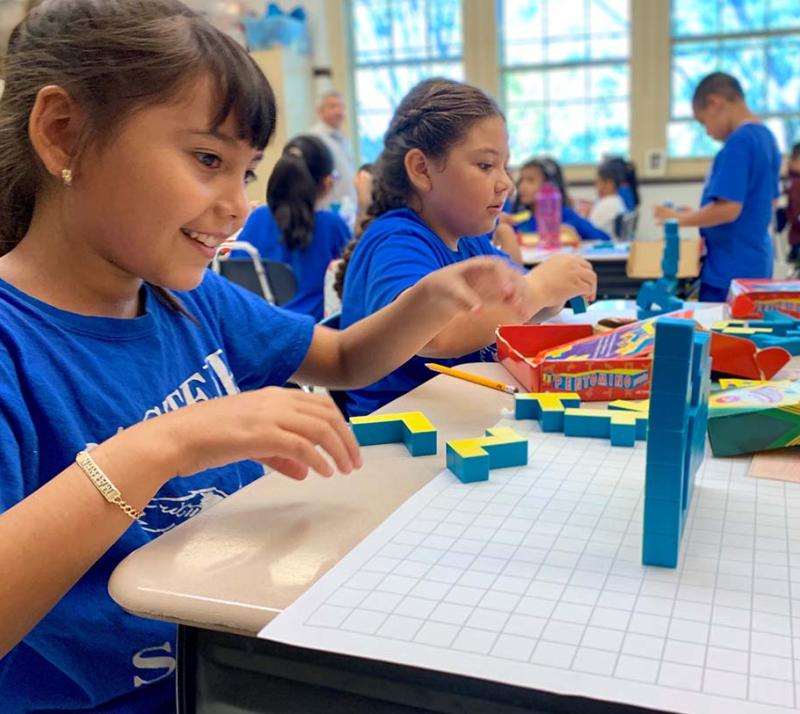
(736, 206)
(126, 408)
(610, 204)
(290, 230)
(532, 177)
(439, 185)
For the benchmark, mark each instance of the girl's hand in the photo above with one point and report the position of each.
(281, 428)
(563, 276)
(472, 284)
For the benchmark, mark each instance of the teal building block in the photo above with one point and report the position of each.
(578, 304)
(680, 388)
(622, 434)
(546, 407)
(410, 428)
(471, 459)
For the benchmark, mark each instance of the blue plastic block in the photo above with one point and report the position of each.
(468, 470)
(578, 304)
(577, 424)
(674, 338)
(660, 549)
(471, 459)
(663, 516)
(622, 434)
(412, 428)
(547, 407)
(667, 447)
(662, 482)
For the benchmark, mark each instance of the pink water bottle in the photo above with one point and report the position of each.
(548, 215)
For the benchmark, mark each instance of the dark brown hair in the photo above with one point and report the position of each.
(719, 83)
(114, 57)
(294, 186)
(433, 117)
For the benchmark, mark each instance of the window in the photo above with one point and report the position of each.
(758, 42)
(565, 77)
(396, 44)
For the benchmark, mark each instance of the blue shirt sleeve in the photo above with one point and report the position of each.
(729, 173)
(586, 230)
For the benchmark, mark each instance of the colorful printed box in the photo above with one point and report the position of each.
(570, 358)
(749, 298)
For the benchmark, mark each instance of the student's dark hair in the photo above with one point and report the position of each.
(433, 117)
(622, 172)
(796, 151)
(552, 173)
(294, 186)
(115, 57)
(719, 83)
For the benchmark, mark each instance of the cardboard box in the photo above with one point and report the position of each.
(571, 358)
(748, 298)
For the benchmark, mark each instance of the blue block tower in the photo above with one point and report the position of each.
(658, 297)
(679, 391)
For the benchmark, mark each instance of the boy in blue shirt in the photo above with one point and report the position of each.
(736, 205)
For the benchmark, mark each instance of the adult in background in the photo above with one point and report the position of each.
(331, 113)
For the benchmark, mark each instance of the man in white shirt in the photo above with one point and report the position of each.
(331, 112)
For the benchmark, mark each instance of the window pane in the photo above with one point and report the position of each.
(764, 56)
(571, 99)
(396, 44)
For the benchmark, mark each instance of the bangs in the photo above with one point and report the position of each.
(241, 88)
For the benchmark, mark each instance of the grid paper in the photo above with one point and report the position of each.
(534, 578)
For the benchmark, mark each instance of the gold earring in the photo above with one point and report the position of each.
(66, 177)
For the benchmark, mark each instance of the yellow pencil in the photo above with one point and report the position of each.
(474, 378)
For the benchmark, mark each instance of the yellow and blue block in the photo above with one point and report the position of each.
(623, 428)
(546, 407)
(471, 459)
(411, 428)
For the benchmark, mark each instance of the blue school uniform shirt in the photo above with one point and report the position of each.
(395, 252)
(67, 381)
(626, 194)
(309, 264)
(746, 170)
(585, 229)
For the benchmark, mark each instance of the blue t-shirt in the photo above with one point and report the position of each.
(309, 264)
(69, 380)
(585, 229)
(746, 170)
(395, 252)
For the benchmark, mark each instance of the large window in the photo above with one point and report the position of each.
(565, 78)
(757, 41)
(397, 43)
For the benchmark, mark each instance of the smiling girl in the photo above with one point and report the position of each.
(128, 129)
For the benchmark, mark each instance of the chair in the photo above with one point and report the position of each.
(625, 225)
(273, 280)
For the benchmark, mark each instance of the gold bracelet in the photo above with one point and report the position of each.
(103, 484)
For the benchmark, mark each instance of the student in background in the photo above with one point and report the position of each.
(627, 184)
(362, 182)
(793, 204)
(440, 183)
(737, 202)
(532, 176)
(290, 228)
(609, 203)
(116, 189)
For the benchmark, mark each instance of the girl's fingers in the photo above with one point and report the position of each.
(294, 447)
(320, 432)
(287, 467)
(329, 413)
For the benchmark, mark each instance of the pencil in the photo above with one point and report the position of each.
(474, 378)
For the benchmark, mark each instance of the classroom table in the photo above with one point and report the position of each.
(609, 260)
(227, 572)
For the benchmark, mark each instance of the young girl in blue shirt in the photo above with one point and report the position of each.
(439, 186)
(128, 129)
(532, 175)
(289, 229)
